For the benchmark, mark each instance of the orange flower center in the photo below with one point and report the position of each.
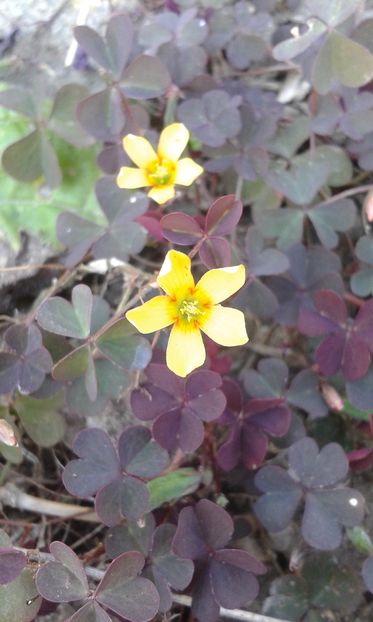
(161, 172)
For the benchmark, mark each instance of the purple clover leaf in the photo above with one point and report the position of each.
(310, 269)
(249, 156)
(249, 424)
(185, 30)
(271, 381)
(176, 40)
(351, 112)
(250, 38)
(314, 476)
(348, 343)
(224, 577)
(118, 237)
(162, 566)
(102, 114)
(118, 479)
(262, 262)
(120, 587)
(362, 280)
(90, 381)
(111, 380)
(178, 407)
(26, 363)
(213, 118)
(64, 580)
(221, 219)
(12, 562)
(362, 150)
(183, 64)
(286, 225)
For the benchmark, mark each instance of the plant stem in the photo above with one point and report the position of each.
(346, 193)
(12, 496)
(229, 614)
(171, 103)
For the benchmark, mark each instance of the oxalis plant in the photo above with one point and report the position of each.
(186, 386)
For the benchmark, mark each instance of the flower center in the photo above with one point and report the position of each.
(161, 172)
(190, 310)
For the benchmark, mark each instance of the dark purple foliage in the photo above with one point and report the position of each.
(221, 219)
(350, 111)
(348, 343)
(162, 566)
(213, 118)
(120, 236)
(249, 154)
(120, 587)
(287, 224)
(178, 407)
(360, 392)
(177, 41)
(12, 562)
(249, 423)
(58, 316)
(118, 479)
(102, 379)
(224, 577)
(310, 269)
(103, 114)
(316, 477)
(80, 61)
(84, 317)
(360, 459)
(64, 580)
(27, 361)
(362, 280)
(271, 381)
(278, 100)
(261, 262)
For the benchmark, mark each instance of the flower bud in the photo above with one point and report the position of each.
(7, 435)
(332, 397)
(368, 207)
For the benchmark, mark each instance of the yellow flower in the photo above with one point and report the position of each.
(159, 170)
(191, 309)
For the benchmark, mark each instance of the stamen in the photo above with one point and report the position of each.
(161, 172)
(190, 310)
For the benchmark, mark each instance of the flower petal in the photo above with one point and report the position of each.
(173, 141)
(161, 194)
(175, 277)
(152, 315)
(139, 150)
(185, 350)
(220, 283)
(226, 326)
(130, 178)
(187, 170)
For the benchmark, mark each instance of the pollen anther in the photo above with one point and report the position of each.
(190, 310)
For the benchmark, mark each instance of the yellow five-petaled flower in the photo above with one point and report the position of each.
(191, 309)
(159, 170)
